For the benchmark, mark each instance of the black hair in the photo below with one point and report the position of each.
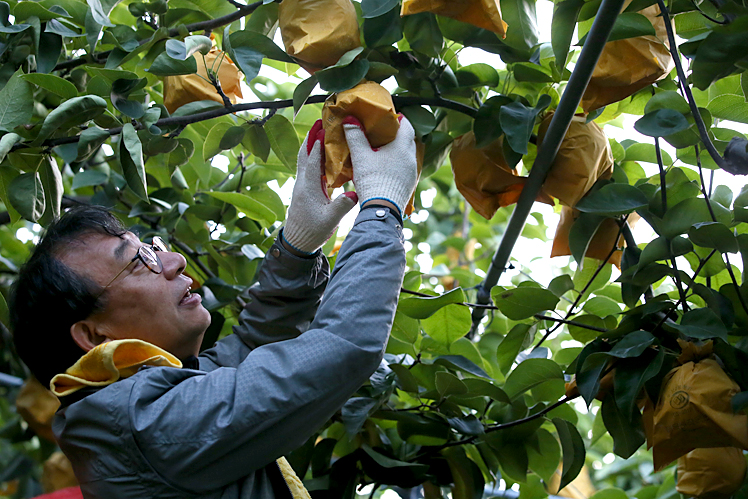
(48, 297)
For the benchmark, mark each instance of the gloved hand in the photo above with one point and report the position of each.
(312, 216)
(389, 172)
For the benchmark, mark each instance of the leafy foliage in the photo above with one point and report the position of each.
(456, 403)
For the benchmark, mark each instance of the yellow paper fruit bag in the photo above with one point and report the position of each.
(372, 105)
(583, 157)
(601, 242)
(715, 473)
(483, 176)
(484, 14)
(58, 473)
(626, 66)
(183, 89)
(318, 32)
(694, 411)
(37, 406)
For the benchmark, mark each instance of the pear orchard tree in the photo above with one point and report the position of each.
(524, 386)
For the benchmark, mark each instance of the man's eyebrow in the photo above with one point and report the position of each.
(119, 252)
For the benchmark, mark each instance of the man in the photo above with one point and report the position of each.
(214, 427)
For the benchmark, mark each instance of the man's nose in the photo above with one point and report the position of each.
(173, 263)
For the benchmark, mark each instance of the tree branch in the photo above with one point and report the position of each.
(199, 26)
(182, 121)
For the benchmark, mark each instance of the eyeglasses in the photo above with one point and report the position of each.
(147, 255)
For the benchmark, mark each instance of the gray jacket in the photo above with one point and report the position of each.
(215, 432)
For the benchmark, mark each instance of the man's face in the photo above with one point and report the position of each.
(140, 304)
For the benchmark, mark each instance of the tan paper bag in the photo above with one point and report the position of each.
(714, 473)
(484, 14)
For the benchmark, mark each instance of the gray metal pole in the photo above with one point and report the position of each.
(580, 78)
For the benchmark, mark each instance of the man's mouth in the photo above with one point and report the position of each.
(190, 298)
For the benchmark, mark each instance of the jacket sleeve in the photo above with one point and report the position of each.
(210, 429)
(282, 304)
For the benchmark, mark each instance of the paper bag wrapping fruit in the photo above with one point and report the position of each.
(37, 406)
(57, 473)
(600, 245)
(183, 89)
(626, 66)
(484, 14)
(372, 105)
(318, 32)
(483, 176)
(711, 473)
(583, 157)
(694, 411)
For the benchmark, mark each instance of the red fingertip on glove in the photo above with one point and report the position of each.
(352, 120)
(314, 135)
(400, 117)
(352, 195)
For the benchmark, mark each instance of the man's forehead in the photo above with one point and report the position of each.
(99, 250)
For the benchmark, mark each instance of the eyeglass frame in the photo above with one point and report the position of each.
(157, 245)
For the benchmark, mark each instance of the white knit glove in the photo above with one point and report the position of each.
(389, 172)
(312, 217)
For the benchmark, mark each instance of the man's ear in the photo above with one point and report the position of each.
(86, 334)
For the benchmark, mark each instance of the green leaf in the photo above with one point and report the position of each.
(355, 412)
(131, 157)
(212, 144)
(560, 285)
(121, 89)
(232, 138)
(518, 120)
(572, 447)
(375, 8)
(646, 153)
(301, 93)
(519, 337)
(383, 30)
(628, 25)
(613, 200)
(4, 311)
(340, 78)
(182, 50)
(668, 99)
(166, 66)
(460, 363)
(486, 125)
(523, 302)
(423, 34)
(26, 194)
(387, 462)
(522, 21)
(610, 494)
(50, 47)
(661, 123)
(52, 83)
(701, 323)
(448, 324)
(565, 16)
(627, 437)
(584, 335)
(88, 178)
(529, 374)
(7, 142)
(16, 103)
(423, 121)
(714, 235)
(632, 345)
(283, 140)
(477, 75)
(51, 179)
(581, 233)
(100, 13)
(448, 384)
(247, 205)
(419, 307)
(256, 141)
(90, 140)
(689, 212)
(72, 112)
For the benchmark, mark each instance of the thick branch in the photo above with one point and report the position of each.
(199, 26)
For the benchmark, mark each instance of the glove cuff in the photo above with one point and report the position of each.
(303, 239)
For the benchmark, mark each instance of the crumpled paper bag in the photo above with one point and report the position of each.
(601, 242)
(714, 473)
(372, 105)
(37, 406)
(57, 473)
(626, 66)
(318, 32)
(583, 158)
(484, 14)
(183, 89)
(483, 176)
(694, 411)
